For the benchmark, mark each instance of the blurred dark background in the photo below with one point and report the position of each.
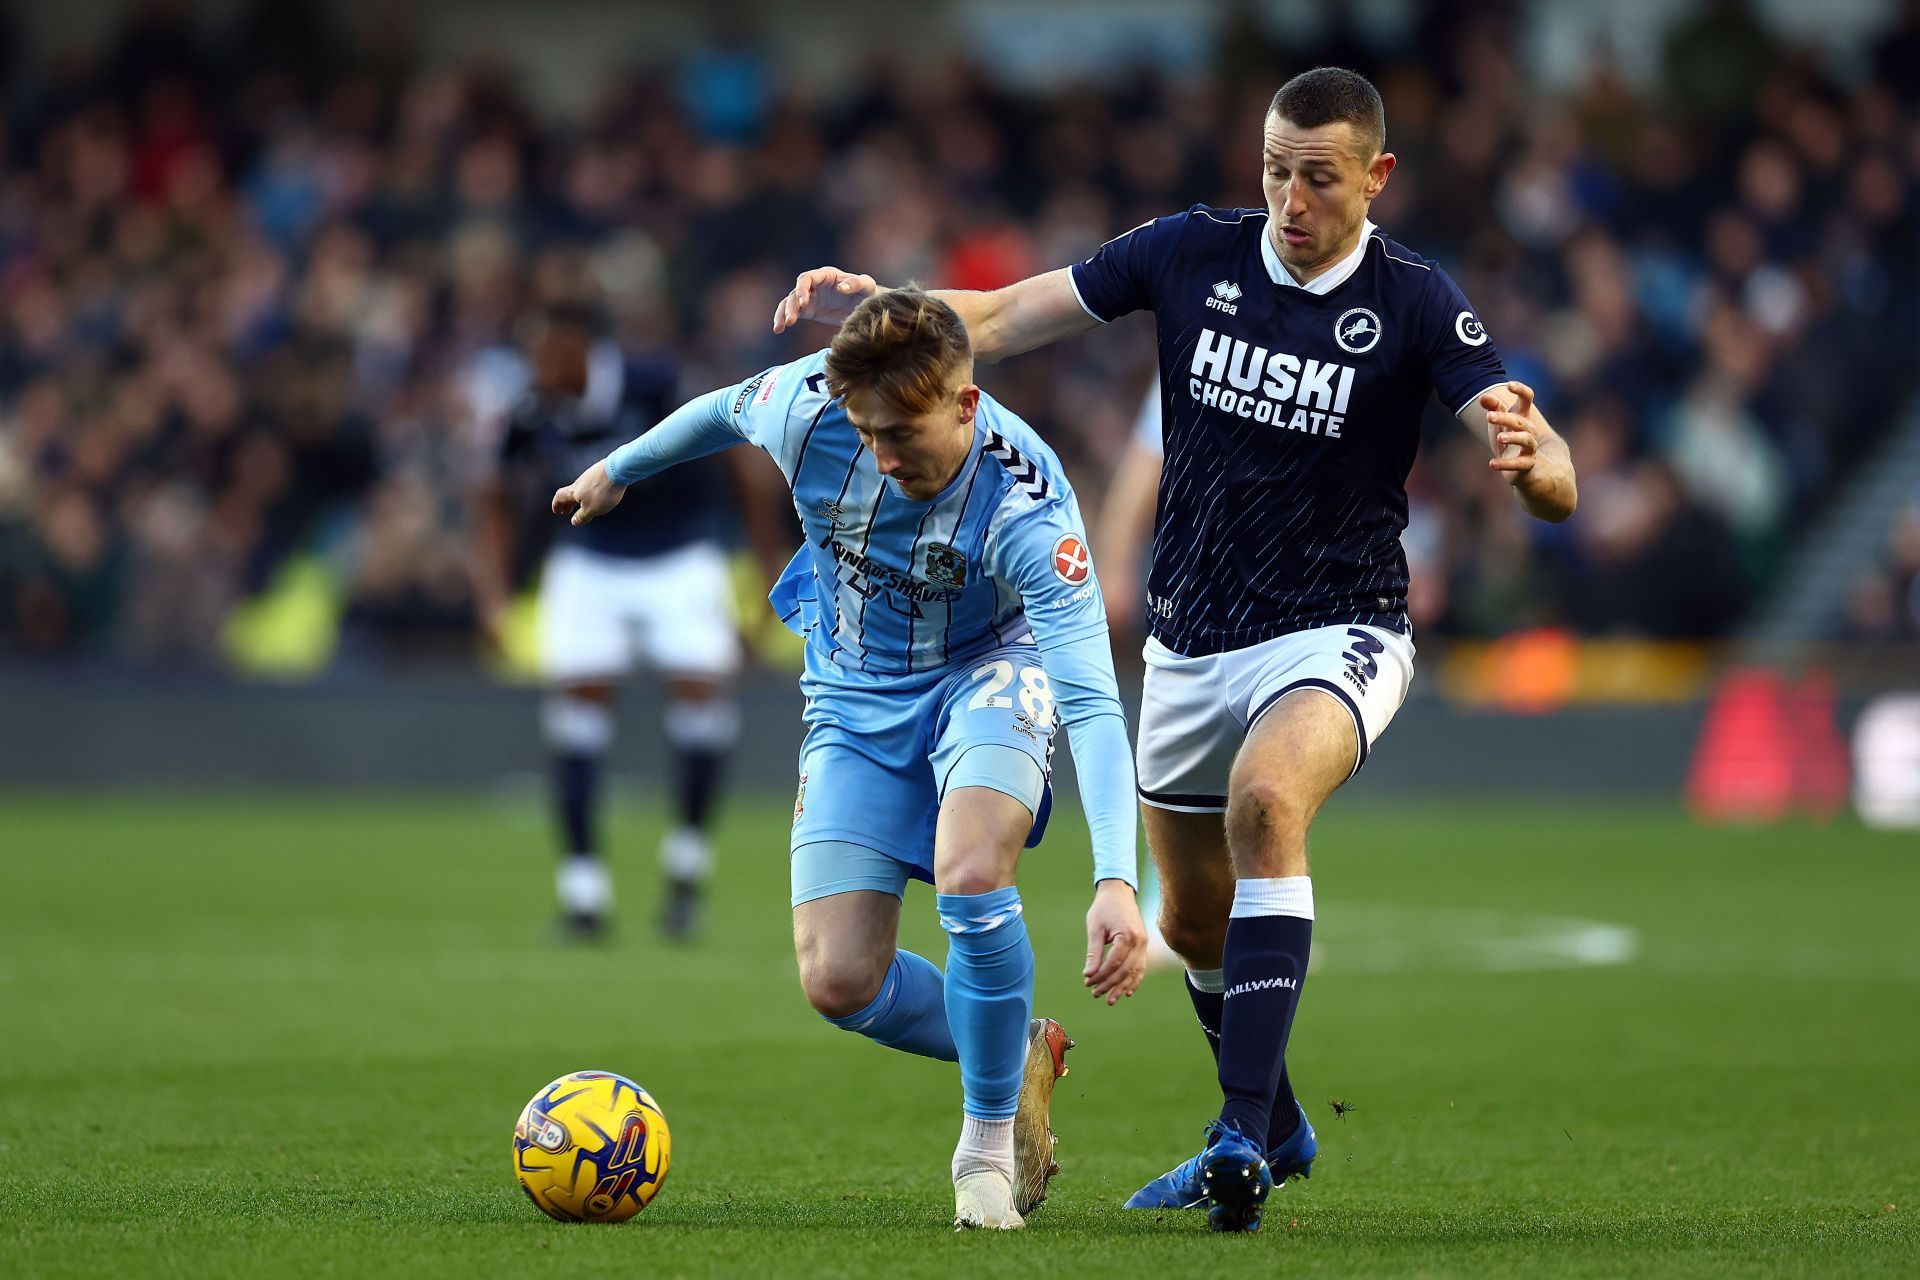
(255, 258)
(262, 263)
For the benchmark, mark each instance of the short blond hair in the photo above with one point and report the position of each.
(903, 346)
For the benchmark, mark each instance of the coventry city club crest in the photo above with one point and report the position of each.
(946, 565)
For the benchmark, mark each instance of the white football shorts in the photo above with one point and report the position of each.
(1195, 712)
(602, 616)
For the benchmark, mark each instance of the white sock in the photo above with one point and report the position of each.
(709, 725)
(579, 726)
(686, 855)
(1279, 896)
(984, 1144)
(1211, 981)
(585, 885)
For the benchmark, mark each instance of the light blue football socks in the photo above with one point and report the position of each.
(989, 995)
(977, 1013)
(910, 1013)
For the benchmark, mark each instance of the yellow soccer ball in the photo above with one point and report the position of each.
(591, 1147)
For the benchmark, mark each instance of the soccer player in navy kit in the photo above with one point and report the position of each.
(1298, 346)
(649, 586)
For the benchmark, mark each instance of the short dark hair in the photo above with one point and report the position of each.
(903, 345)
(1326, 94)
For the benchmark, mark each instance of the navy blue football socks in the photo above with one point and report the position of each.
(1268, 940)
(576, 788)
(696, 780)
(1208, 1006)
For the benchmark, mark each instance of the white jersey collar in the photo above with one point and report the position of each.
(1327, 281)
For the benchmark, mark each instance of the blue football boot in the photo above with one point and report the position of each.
(1294, 1158)
(1229, 1167)
(1180, 1187)
(1235, 1177)
(1177, 1188)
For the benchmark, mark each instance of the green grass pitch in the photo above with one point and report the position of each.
(289, 1036)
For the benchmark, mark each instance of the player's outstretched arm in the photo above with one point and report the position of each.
(1527, 451)
(697, 428)
(1002, 322)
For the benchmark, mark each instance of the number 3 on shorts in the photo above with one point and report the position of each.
(1036, 695)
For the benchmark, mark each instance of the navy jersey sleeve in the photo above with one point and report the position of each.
(654, 385)
(1461, 359)
(1123, 276)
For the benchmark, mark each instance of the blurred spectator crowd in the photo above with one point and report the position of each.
(248, 267)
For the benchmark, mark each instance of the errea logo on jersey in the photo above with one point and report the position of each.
(1225, 294)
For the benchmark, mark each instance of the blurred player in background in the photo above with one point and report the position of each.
(948, 600)
(1124, 533)
(1299, 346)
(648, 586)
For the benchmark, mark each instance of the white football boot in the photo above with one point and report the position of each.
(983, 1200)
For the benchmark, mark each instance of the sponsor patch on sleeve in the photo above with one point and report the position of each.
(740, 401)
(1071, 563)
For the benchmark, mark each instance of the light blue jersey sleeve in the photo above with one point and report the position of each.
(772, 409)
(694, 430)
(1039, 548)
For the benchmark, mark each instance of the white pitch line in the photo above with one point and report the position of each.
(1365, 937)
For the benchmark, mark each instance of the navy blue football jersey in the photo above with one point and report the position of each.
(1291, 416)
(563, 437)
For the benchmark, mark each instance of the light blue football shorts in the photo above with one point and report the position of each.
(876, 764)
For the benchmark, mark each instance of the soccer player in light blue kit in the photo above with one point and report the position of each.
(948, 602)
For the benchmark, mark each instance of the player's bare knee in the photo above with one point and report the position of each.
(838, 988)
(981, 872)
(1268, 810)
(1197, 937)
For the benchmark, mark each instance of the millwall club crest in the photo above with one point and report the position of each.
(946, 565)
(1357, 331)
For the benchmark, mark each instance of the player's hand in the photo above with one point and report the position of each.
(826, 294)
(590, 497)
(1513, 426)
(1116, 942)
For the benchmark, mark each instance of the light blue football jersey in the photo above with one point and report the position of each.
(893, 594)
(889, 587)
